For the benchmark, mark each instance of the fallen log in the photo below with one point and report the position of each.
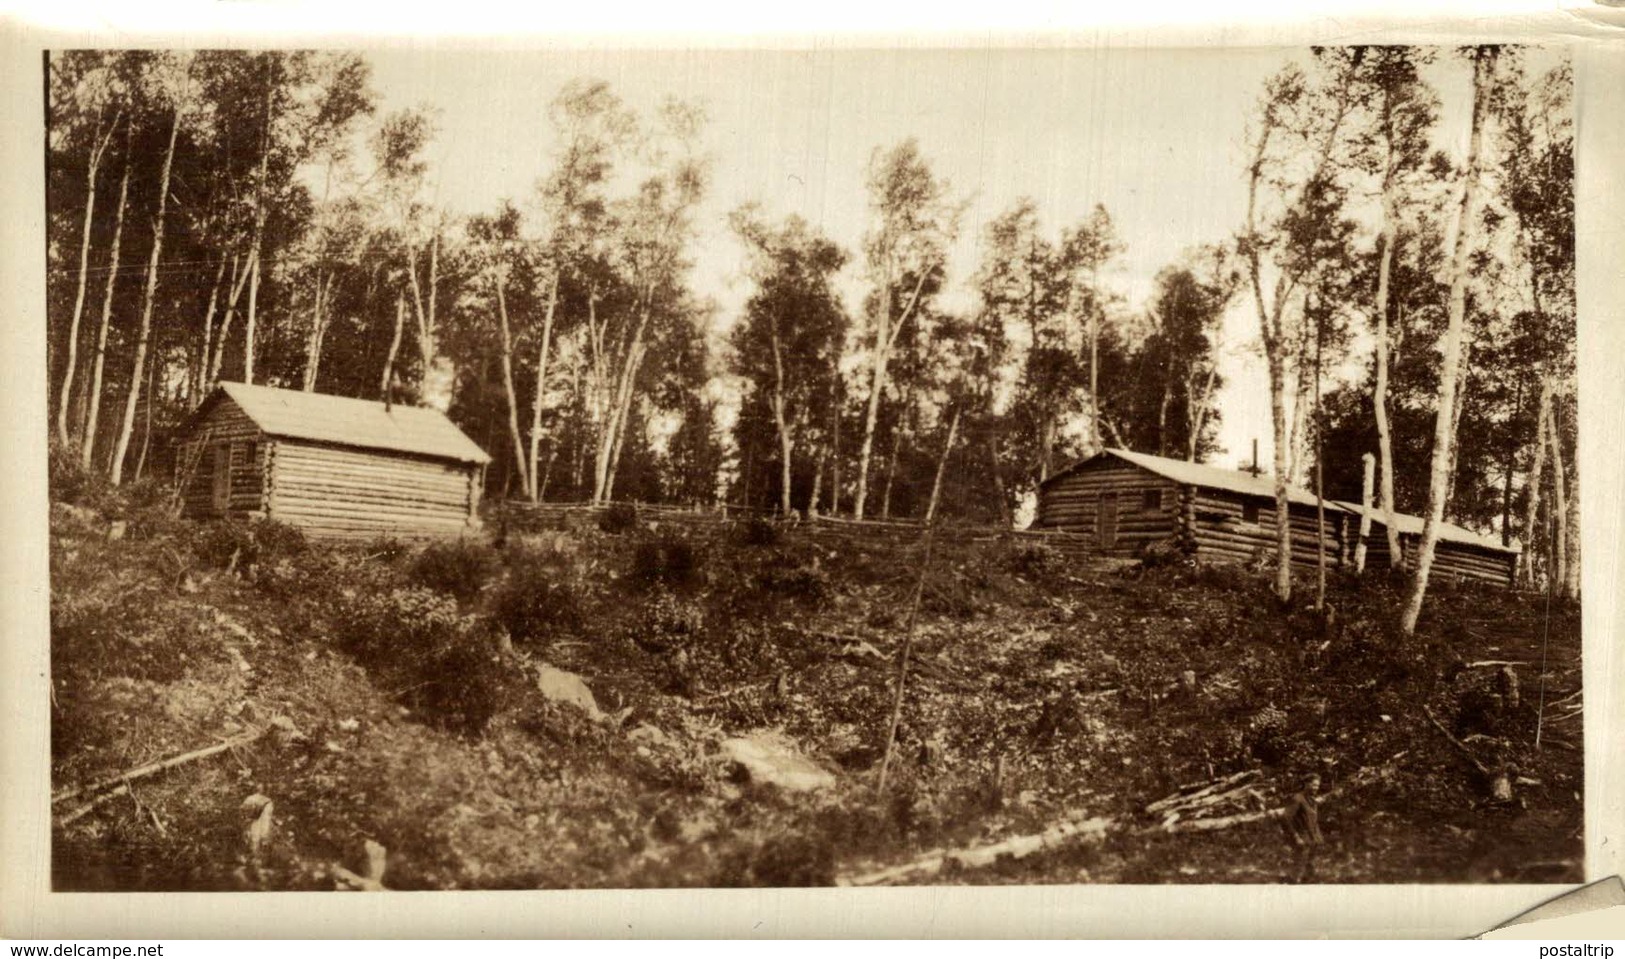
(1456, 742)
(1016, 847)
(152, 769)
(1189, 794)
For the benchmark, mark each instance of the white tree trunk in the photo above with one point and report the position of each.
(386, 383)
(239, 280)
(877, 386)
(1560, 504)
(541, 385)
(527, 479)
(127, 426)
(1366, 480)
(87, 444)
(70, 366)
(1379, 397)
(942, 466)
(1450, 368)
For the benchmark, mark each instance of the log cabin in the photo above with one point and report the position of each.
(1460, 553)
(334, 466)
(1124, 501)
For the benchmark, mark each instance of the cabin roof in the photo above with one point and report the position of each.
(1263, 485)
(1448, 532)
(321, 418)
(1200, 474)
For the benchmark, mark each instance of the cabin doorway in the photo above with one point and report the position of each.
(1106, 521)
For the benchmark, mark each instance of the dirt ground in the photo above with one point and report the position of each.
(378, 695)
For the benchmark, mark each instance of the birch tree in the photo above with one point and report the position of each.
(1483, 60)
(914, 224)
(792, 327)
(1084, 252)
(1294, 151)
(94, 96)
(93, 404)
(1394, 148)
(171, 81)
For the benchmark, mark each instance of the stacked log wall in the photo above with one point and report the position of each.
(1223, 533)
(1071, 503)
(1465, 561)
(341, 492)
(225, 426)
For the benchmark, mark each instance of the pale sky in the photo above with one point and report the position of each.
(1157, 136)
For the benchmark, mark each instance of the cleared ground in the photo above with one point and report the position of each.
(380, 694)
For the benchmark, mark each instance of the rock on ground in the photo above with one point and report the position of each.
(563, 687)
(769, 759)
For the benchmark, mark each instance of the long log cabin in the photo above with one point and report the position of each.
(1460, 552)
(1123, 501)
(334, 466)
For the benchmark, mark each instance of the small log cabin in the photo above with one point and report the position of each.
(334, 466)
(1126, 500)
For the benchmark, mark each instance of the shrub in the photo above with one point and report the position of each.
(71, 483)
(804, 581)
(671, 560)
(758, 531)
(668, 621)
(1035, 560)
(537, 600)
(439, 662)
(230, 543)
(459, 567)
(1159, 553)
(618, 518)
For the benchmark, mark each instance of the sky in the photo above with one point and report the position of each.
(1156, 135)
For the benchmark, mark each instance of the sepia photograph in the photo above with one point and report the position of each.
(587, 468)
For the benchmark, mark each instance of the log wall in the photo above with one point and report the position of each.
(227, 428)
(1463, 561)
(1072, 503)
(1224, 533)
(335, 491)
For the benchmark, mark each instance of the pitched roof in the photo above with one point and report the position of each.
(1200, 474)
(1449, 532)
(1245, 483)
(351, 422)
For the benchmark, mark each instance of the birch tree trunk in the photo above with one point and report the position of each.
(200, 376)
(1571, 517)
(318, 330)
(818, 481)
(387, 381)
(1379, 396)
(1198, 413)
(786, 443)
(1560, 504)
(541, 386)
(1283, 501)
(149, 294)
(942, 466)
(1449, 373)
(877, 385)
(1366, 481)
(527, 479)
(69, 367)
(87, 443)
(239, 280)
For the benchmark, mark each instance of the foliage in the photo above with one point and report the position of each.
(618, 518)
(537, 600)
(460, 567)
(440, 662)
(670, 559)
